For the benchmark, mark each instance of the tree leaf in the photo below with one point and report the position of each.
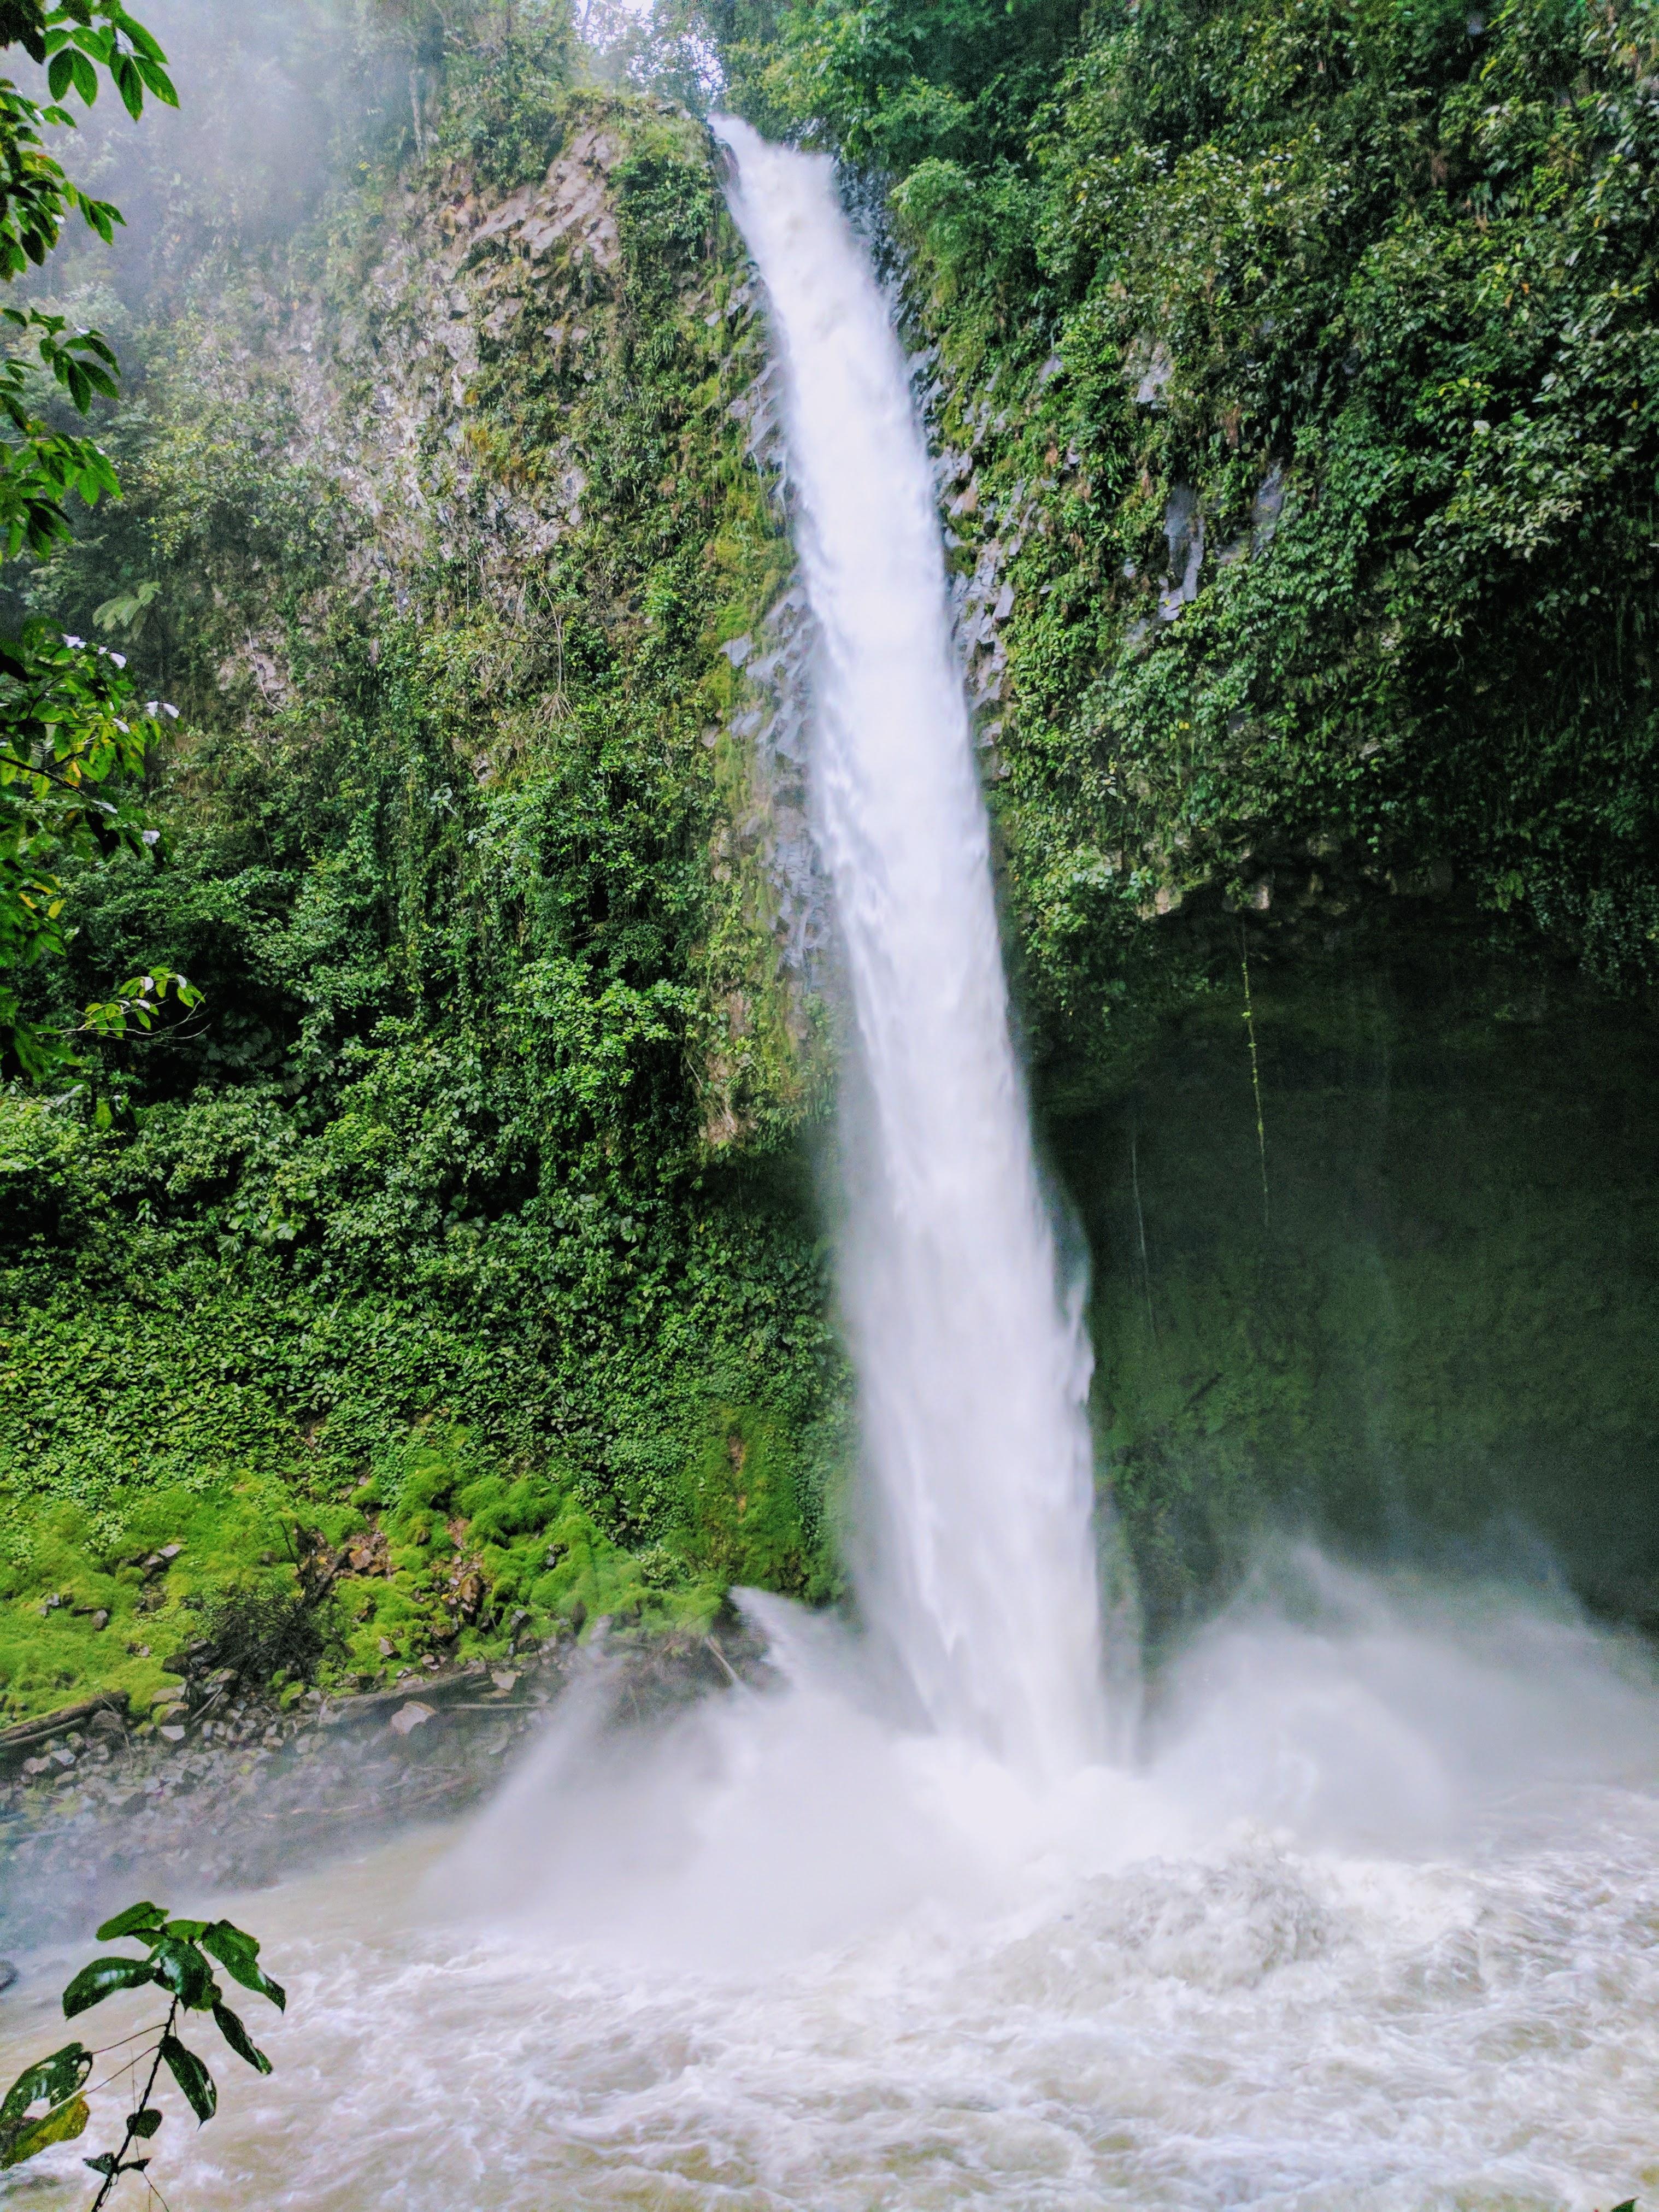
(157, 79)
(142, 38)
(239, 2040)
(102, 1978)
(49, 2080)
(238, 1953)
(145, 1919)
(180, 1967)
(59, 75)
(129, 84)
(193, 2077)
(144, 2123)
(62, 2126)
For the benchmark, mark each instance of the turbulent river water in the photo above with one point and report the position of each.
(1355, 1906)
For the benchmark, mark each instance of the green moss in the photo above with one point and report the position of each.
(1433, 1340)
(744, 1526)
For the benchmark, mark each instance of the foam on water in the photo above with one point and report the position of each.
(1374, 1927)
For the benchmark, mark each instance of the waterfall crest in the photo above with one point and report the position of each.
(978, 1564)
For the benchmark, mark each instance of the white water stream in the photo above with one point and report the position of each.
(977, 1566)
(1371, 1923)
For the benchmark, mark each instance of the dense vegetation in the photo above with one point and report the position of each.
(1297, 370)
(1303, 367)
(423, 1226)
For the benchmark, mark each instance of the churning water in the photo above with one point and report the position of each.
(1370, 1922)
(1372, 1927)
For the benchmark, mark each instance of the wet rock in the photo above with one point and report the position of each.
(1183, 529)
(75, 1843)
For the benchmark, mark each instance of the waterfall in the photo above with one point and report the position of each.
(978, 1564)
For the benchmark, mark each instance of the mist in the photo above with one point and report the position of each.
(282, 103)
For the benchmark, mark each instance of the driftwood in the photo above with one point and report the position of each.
(15, 1742)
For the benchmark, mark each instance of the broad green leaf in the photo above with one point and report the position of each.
(105, 2163)
(102, 1978)
(188, 1931)
(129, 84)
(157, 79)
(193, 2077)
(180, 1967)
(60, 74)
(85, 77)
(139, 38)
(238, 1953)
(48, 2082)
(145, 1919)
(62, 2126)
(144, 2123)
(239, 2040)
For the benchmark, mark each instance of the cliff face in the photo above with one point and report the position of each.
(466, 1230)
(471, 400)
(1296, 385)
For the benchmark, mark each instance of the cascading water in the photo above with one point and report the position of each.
(1370, 1926)
(977, 1562)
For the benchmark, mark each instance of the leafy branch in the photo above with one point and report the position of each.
(74, 741)
(179, 1960)
(41, 466)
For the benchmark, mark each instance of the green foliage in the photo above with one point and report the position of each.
(73, 745)
(179, 1958)
(67, 720)
(55, 2083)
(465, 1210)
(41, 466)
(1301, 367)
(900, 81)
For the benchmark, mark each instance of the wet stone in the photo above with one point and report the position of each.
(154, 1803)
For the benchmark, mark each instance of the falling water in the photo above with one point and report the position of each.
(977, 1564)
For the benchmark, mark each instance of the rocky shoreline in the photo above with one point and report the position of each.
(231, 1789)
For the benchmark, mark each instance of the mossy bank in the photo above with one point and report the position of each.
(469, 1225)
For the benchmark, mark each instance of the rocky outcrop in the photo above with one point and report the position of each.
(240, 1791)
